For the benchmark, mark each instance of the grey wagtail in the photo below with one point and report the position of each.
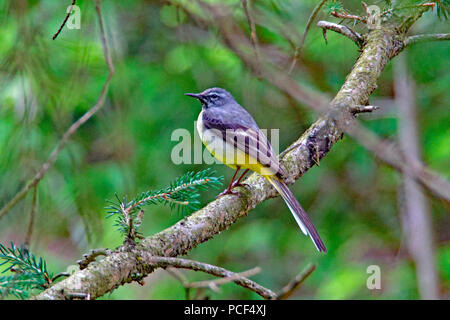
(232, 136)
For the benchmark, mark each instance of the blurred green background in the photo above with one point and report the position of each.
(160, 53)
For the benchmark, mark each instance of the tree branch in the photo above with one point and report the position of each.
(65, 20)
(91, 256)
(364, 109)
(344, 30)
(147, 263)
(252, 27)
(213, 284)
(426, 38)
(343, 15)
(416, 220)
(292, 286)
(27, 240)
(302, 42)
(390, 154)
(153, 262)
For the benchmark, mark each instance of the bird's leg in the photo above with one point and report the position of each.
(229, 190)
(238, 182)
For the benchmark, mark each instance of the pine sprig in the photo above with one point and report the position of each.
(182, 194)
(443, 9)
(23, 261)
(334, 6)
(29, 272)
(20, 285)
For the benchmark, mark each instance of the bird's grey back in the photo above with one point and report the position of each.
(231, 114)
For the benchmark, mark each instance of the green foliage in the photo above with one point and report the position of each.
(29, 273)
(333, 6)
(182, 194)
(19, 285)
(443, 9)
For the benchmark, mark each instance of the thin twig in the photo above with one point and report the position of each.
(428, 4)
(32, 217)
(292, 286)
(253, 36)
(344, 30)
(302, 42)
(72, 129)
(177, 274)
(60, 275)
(91, 256)
(366, 8)
(347, 16)
(165, 262)
(390, 154)
(364, 109)
(415, 209)
(213, 284)
(165, 195)
(65, 20)
(426, 38)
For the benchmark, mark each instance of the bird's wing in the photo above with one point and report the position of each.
(244, 135)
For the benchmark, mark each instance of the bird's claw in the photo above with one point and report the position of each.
(227, 191)
(230, 189)
(238, 184)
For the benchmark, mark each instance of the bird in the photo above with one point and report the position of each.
(233, 137)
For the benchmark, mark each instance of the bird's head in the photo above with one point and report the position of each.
(213, 97)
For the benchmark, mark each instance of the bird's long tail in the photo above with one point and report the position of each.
(297, 211)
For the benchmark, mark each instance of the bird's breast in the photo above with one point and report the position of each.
(215, 143)
(200, 127)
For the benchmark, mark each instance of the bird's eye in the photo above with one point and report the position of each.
(214, 96)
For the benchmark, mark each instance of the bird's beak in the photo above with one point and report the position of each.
(196, 95)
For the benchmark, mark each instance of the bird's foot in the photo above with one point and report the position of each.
(230, 189)
(227, 191)
(238, 184)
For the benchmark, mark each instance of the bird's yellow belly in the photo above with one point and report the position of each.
(227, 153)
